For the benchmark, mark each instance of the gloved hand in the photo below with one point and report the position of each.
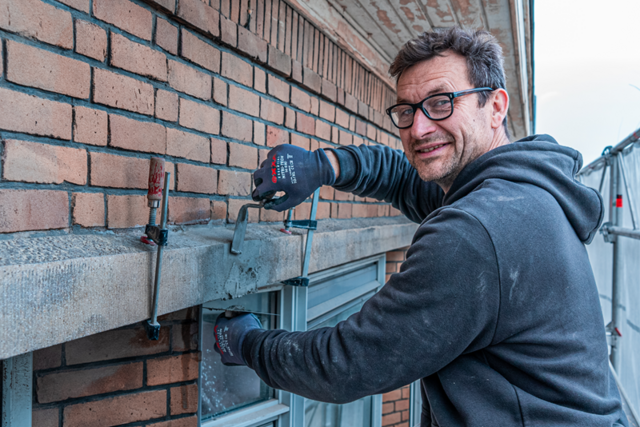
(295, 171)
(229, 335)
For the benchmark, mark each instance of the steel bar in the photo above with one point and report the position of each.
(615, 216)
(624, 396)
(631, 139)
(630, 200)
(604, 173)
(626, 232)
(309, 242)
(241, 227)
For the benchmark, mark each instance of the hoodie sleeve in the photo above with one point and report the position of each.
(443, 303)
(385, 174)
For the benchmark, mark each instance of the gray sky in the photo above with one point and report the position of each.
(587, 57)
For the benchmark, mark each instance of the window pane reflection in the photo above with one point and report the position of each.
(225, 388)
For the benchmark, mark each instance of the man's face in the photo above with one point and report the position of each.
(439, 150)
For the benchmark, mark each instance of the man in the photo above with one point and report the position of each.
(495, 308)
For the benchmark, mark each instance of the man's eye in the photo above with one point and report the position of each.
(405, 112)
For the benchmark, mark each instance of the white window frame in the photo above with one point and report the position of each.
(287, 409)
(17, 381)
(415, 404)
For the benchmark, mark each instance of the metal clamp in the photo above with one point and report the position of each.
(311, 225)
(305, 224)
(604, 230)
(159, 235)
(241, 227)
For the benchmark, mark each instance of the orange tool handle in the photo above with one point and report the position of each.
(156, 178)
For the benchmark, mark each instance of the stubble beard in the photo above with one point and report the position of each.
(447, 169)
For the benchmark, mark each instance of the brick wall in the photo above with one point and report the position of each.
(91, 89)
(120, 377)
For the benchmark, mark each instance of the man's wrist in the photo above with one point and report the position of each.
(333, 159)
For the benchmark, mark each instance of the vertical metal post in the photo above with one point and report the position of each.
(615, 217)
(17, 380)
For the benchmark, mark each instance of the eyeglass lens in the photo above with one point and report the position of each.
(437, 107)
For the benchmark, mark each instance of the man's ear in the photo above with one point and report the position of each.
(499, 104)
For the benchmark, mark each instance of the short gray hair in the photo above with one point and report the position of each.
(485, 62)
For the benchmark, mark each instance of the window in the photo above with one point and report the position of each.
(235, 396)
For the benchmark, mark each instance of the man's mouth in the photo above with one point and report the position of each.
(430, 149)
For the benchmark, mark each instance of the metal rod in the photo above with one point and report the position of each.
(626, 232)
(630, 200)
(604, 173)
(624, 395)
(616, 281)
(163, 224)
(633, 138)
(309, 242)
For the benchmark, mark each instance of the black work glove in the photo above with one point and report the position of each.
(229, 335)
(295, 171)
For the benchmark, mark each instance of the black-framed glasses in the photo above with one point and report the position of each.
(436, 107)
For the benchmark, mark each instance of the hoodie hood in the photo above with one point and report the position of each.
(538, 160)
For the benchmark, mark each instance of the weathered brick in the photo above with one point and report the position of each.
(47, 358)
(200, 15)
(228, 31)
(236, 127)
(243, 156)
(188, 210)
(218, 211)
(184, 78)
(335, 134)
(200, 52)
(329, 90)
(234, 209)
(259, 80)
(300, 99)
(402, 405)
(352, 123)
(30, 66)
(187, 145)
(326, 192)
(22, 210)
(312, 80)
(345, 138)
(172, 369)
(387, 408)
(252, 45)
(276, 136)
(259, 135)
(117, 410)
(169, 5)
(166, 105)
(195, 115)
(137, 58)
(125, 212)
(135, 135)
(90, 126)
(237, 69)
(184, 399)
(180, 422)
(279, 62)
(38, 20)
(393, 418)
(88, 209)
(123, 92)
(271, 111)
(45, 417)
(234, 183)
(314, 106)
(361, 127)
(323, 130)
(269, 215)
(344, 210)
(296, 71)
(218, 151)
(392, 396)
(64, 385)
(351, 103)
(219, 91)
(305, 124)
(125, 15)
(167, 36)
(371, 132)
(110, 170)
(244, 101)
(363, 109)
(43, 163)
(184, 336)
(290, 118)
(81, 5)
(196, 179)
(91, 40)
(327, 111)
(342, 118)
(300, 141)
(278, 88)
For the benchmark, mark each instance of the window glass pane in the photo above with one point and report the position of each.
(225, 388)
(330, 289)
(354, 414)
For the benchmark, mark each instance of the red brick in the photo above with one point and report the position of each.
(324, 210)
(406, 392)
(81, 5)
(109, 170)
(188, 145)
(123, 92)
(398, 256)
(300, 99)
(237, 69)
(234, 183)
(394, 212)
(91, 40)
(360, 211)
(44, 163)
(38, 20)
(188, 210)
(326, 192)
(388, 420)
(371, 132)
(166, 105)
(88, 209)
(296, 71)
(351, 103)
(262, 156)
(228, 32)
(200, 15)
(219, 91)
(234, 208)
(200, 52)
(329, 90)
(315, 106)
(345, 138)
(30, 66)
(387, 408)
(180, 422)
(405, 416)
(184, 78)
(22, 210)
(312, 80)
(244, 101)
(342, 118)
(169, 5)
(269, 215)
(237, 127)
(184, 336)
(305, 124)
(90, 126)
(47, 358)
(45, 417)
(137, 58)
(167, 36)
(218, 151)
(135, 135)
(125, 15)
(197, 179)
(361, 127)
(276, 136)
(195, 115)
(259, 80)
(341, 195)
(392, 396)
(279, 61)
(300, 141)
(278, 88)
(252, 45)
(290, 118)
(172, 369)
(218, 210)
(323, 130)
(243, 156)
(184, 399)
(64, 385)
(402, 405)
(327, 111)
(271, 111)
(117, 410)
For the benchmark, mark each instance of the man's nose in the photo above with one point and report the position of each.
(422, 125)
